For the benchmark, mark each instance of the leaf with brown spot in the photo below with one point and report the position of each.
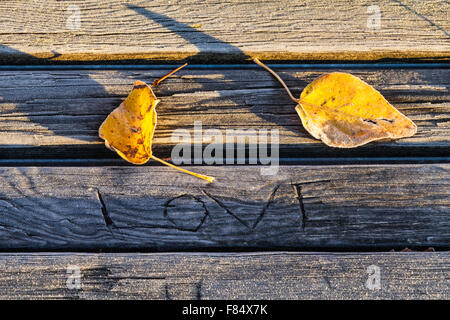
(129, 128)
(345, 112)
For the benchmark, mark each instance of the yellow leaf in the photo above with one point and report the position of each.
(345, 112)
(129, 128)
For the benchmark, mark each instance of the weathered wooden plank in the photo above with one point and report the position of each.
(201, 31)
(276, 275)
(56, 114)
(158, 208)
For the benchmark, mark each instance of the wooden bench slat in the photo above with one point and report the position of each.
(54, 114)
(276, 275)
(158, 208)
(113, 31)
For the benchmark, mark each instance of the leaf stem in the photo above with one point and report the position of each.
(158, 81)
(256, 60)
(201, 176)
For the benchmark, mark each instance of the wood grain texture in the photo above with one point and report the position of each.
(204, 31)
(158, 208)
(204, 276)
(56, 114)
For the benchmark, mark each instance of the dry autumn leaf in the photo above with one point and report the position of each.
(345, 112)
(129, 128)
